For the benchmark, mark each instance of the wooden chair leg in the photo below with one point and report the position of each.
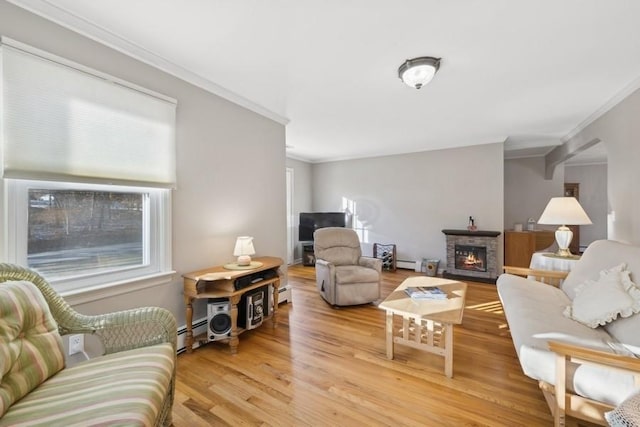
(560, 391)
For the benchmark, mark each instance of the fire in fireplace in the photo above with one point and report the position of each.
(472, 258)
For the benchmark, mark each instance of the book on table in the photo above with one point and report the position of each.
(421, 292)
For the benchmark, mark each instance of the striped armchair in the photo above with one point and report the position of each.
(132, 384)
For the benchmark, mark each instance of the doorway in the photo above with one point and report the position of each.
(290, 217)
(572, 189)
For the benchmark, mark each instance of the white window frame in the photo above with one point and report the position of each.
(91, 287)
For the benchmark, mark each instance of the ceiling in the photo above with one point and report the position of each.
(527, 73)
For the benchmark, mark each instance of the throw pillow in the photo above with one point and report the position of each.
(627, 414)
(602, 301)
(30, 345)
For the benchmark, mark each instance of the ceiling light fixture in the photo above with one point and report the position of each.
(417, 72)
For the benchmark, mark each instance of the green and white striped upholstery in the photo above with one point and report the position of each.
(125, 388)
(133, 384)
(30, 345)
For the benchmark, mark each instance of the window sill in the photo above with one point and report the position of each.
(109, 290)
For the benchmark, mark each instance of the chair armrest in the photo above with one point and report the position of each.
(123, 330)
(566, 401)
(550, 277)
(126, 330)
(369, 262)
(322, 262)
(583, 355)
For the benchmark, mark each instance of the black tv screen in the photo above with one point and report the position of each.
(311, 221)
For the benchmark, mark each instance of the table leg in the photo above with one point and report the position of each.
(233, 339)
(389, 333)
(189, 319)
(448, 349)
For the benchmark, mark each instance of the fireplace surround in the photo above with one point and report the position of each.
(472, 255)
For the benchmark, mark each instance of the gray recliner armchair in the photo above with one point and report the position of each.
(343, 275)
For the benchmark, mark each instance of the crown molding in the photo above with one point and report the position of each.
(77, 24)
(612, 102)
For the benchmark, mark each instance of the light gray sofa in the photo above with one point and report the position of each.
(537, 316)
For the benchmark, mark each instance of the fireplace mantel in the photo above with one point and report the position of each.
(478, 233)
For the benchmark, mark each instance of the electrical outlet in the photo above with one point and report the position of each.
(76, 344)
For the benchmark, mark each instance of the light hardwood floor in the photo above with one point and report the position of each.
(323, 367)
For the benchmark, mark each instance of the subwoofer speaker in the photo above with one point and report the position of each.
(218, 319)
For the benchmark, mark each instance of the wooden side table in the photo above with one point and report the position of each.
(550, 261)
(218, 282)
(426, 324)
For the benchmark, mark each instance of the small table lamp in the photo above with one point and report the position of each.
(562, 211)
(243, 250)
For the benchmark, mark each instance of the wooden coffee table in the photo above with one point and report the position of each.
(426, 324)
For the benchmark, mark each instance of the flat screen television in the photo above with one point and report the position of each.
(311, 221)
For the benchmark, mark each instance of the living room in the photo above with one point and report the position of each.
(231, 157)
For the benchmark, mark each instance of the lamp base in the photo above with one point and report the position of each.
(244, 260)
(564, 253)
(564, 235)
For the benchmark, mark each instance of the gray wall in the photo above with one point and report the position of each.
(408, 199)
(593, 198)
(215, 138)
(526, 192)
(302, 198)
(619, 130)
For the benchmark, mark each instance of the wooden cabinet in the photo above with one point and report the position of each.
(519, 246)
(219, 282)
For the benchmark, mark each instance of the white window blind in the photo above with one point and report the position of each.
(64, 122)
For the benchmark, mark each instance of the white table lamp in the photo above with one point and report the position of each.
(243, 250)
(564, 211)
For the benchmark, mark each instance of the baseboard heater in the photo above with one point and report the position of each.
(408, 265)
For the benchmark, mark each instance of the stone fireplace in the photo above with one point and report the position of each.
(472, 255)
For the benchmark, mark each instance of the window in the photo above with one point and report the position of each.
(87, 164)
(86, 235)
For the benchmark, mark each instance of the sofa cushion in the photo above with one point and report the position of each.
(355, 274)
(625, 331)
(337, 245)
(600, 255)
(30, 345)
(125, 388)
(599, 302)
(534, 312)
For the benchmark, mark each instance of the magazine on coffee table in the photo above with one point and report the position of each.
(421, 292)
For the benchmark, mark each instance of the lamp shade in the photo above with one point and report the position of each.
(564, 211)
(244, 246)
(417, 72)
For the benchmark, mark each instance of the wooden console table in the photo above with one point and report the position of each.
(217, 282)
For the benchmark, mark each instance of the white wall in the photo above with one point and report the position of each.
(526, 192)
(302, 198)
(619, 130)
(215, 139)
(593, 198)
(409, 199)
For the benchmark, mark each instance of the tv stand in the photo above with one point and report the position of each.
(218, 282)
(308, 255)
